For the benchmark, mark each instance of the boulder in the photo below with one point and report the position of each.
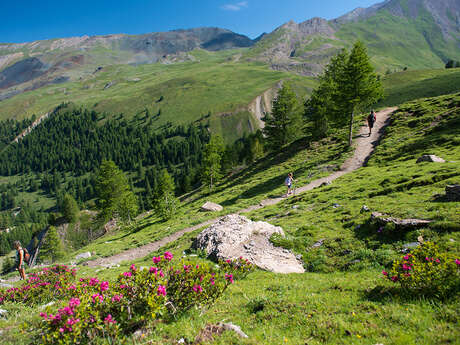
(3, 313)
(211, 207)
(234, 236)
(382, 219)
(365, 209)
(85, 255)
(430, 158)
(453, 192)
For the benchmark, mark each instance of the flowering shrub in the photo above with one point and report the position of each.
(426, 271)
(114, 310)
(238, 268)
(49, 284)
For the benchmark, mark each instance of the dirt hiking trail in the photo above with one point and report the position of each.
(364, 146)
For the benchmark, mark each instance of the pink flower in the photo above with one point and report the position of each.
(74, 302)
(123, 286)
(394, 278)
(406, 267)
(212, 281)
(156, 259)
(385, 273)
(161, 274)
(457, 261)
(93, 281)
(228, 261)
(104, 286)
(61, 330)
(117, 298)
(438, 261)
(127, 274)
(96, 297)
(406, 257)
(44, 315)
(109, 319)
(427, 259)
(133, 268)
(161, 290)
(229, 277)
(71, 287)
(153, 270)
(168, 256)
(197, 288)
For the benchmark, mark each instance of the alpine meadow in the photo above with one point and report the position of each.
(199, 186)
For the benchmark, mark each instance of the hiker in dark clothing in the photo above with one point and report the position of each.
(20, 259)
(370, 121)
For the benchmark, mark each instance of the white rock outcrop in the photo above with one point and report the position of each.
(430, 158)
(85, 255)
(211, 207)
(234, 236)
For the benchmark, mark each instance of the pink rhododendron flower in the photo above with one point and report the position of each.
(93, 281)
(74, 302)
(229, 277)
(43, 315)
(406, 257)
(104, 286)
(385, 273)
(197, 288)
(161, 290)
(406, 267)
(109, 319)
(168, 256)
(127, 274)
(161, 274)
(156, 259)
(97, 297)
(133, 268)
(228, 261)
(438, 261)
(117, 298)
(153, 270)
(457, 261)
(394, 278)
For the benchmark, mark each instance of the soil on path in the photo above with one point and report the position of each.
(364, 146)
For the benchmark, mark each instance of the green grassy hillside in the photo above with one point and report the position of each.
(181, 93)
(343, 297)
(400, 42)
(405, 86)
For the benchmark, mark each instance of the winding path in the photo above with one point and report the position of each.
(364, 146)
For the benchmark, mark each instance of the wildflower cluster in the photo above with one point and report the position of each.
(114, 309)
(237, 268)
(426, 271)
(49, 284)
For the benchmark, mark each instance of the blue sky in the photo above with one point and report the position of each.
(27, 20)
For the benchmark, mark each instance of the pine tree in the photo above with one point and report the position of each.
(69, 208)
(212, 159)
(115, 196)
(360, 86)
(349, 84)
(52, 248)
(282, 125)
(166, 204)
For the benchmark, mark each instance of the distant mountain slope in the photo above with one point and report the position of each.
(28, 66)
(399, 33)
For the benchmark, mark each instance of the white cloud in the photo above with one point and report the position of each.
(235, 7)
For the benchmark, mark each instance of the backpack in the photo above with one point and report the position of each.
(371, 117)
(26, 256)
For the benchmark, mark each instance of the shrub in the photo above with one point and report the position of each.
(99, 309)
(426, 272)
(237, 268)
(49, 284)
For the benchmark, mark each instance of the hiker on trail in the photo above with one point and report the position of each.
(288, 182)
(370, 121)
(21, 258)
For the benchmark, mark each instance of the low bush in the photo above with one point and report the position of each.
(426, 271)
(102, 310)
